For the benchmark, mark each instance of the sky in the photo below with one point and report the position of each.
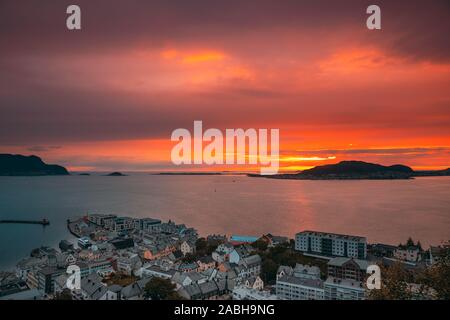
(108, 96)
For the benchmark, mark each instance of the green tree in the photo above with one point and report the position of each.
(269, 271)
(161, 289)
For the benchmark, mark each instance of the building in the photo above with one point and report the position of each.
(128, 263)
(343, 289)
(147, 224)
(101, 267)
(237, 239)
(65, 245)
(187, 248)
(46, 278)
(331, 245)
(164, 272)
(348, 268)
(245, 293)
(293, 288)
(273, 241)
(255, 283)
(120, 224)
(205, 263)
(209, 290)
(408, 253)
(100, 219)
(122, 243)
(92, 288)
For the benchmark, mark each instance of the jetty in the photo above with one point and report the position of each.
(43, 222)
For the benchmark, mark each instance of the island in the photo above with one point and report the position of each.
(116, 174)
(19, 165)
(348, 170)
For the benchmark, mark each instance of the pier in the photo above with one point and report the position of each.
(43, 222)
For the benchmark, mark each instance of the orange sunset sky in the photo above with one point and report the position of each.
(108, 97)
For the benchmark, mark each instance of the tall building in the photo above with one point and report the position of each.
(331, 244)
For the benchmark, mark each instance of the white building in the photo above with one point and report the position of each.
(294, 288)
(245, 293)
(330, 244)
(343, 289)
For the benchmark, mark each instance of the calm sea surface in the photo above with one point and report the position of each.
(384, 211)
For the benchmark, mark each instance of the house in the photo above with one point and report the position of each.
(188, 267)
(183, 279)
(187, 248)
(128, 263)
(273, 241)
(252, 265)
(209, 290)
(284, 271)
(348, 268)
(255, 283)
(92, 288)
(222, 252)
(205, 263)
(343, 289)
(239, 253)
(114, 292)
(294, 288)
(408, 253)
(135, 291)
(164, 272)
(381, 250)
(157, 251)
(28, 264)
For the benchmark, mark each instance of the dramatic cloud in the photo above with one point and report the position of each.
(139, 69)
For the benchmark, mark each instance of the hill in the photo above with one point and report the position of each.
(19, 165)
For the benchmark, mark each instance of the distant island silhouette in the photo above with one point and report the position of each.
(19, 165)
(116, 174)
(353, 170)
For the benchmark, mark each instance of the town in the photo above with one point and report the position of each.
(124, 258)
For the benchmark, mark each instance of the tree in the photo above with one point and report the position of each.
(410, 242)
(394, 284)
(161, 289)
(437, 278)
(260, 245)
(269, 271)
(64, 295)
